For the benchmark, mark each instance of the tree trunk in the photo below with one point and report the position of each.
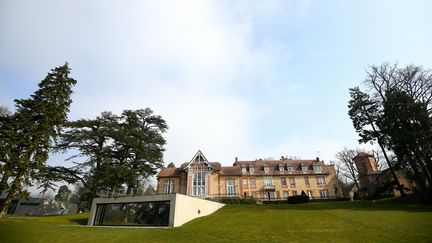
(398, 185)
(424, 160)
(16, 184)
(425, 172)
(3, 182)
(419, 179)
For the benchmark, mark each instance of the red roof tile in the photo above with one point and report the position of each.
(169, 172)
(230, 170)
(236, 169)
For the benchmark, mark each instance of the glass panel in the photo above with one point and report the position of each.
(133, 214)
(253, 183)
(268, 181)
(198, 187)
(230, 187)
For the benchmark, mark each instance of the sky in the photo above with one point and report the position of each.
(247, 79)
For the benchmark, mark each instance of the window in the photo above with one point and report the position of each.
(198, 185)
(268, 181)
(321, 181)
(254, 194)
(270, 195)
(29, 204)
(289, 169)
(285, 195)
(307, 181)
(133, 213)
(294, 193)
(292, 181)
(323, 193)
(169, 186)
(281, 169)
(309, 193)
(277, 195)
(252, 182)
(266, 169)
(304, 168)
(245, 183)
(230, 186)
(317, 168)
(374, 180)
(251, 170)
(283, 182)
(262, 195)
(244, 170)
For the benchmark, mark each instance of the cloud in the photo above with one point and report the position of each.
(202, 65)
(187, 60)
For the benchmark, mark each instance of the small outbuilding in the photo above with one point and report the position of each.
(166, 210)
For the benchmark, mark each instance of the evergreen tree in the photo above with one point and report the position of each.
(63, 194)
(92, 139)
(409, 129)
(365, 113)
(119, 150)
(28, 134)
(396, 113)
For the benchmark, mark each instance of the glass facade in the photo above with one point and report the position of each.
(133, 214)
(198, 186)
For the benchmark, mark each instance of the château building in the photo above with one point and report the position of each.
(261, 179)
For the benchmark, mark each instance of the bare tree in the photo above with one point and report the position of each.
(4, 111)
(346, 167)
(414, 80)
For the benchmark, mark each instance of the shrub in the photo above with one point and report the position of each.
(276, 202)
(298, 199)
(237, 200)
(338, 199)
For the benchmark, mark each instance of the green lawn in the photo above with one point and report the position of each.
(384, 221)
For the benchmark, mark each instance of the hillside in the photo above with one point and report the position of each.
(387, 220)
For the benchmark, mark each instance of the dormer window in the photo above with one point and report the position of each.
(317, 168)
(304, 168)
(251, 170)
(289, 169)
(244, 170)
(266, 169)
(281, 169)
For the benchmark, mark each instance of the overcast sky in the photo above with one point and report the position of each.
(246, 79)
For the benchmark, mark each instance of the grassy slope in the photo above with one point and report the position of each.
(385, 221)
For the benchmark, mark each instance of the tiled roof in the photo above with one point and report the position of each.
(170, 172)
(175, 172)
(258, 165)
(230, 170)
(216, 165)
(363, 154)
(273, 166)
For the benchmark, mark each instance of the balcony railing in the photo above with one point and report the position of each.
(269, 187)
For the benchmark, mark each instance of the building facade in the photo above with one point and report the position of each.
(368, 173)
(261, 179)
(374, 181)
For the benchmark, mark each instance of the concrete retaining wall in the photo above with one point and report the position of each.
(182, 208)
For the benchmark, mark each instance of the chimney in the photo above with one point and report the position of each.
(317, 159)
(236, 159)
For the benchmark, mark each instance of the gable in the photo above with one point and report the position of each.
(199, 160)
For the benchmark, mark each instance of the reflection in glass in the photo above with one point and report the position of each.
(133, 214)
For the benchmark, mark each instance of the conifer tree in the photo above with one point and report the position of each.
(27, 135)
